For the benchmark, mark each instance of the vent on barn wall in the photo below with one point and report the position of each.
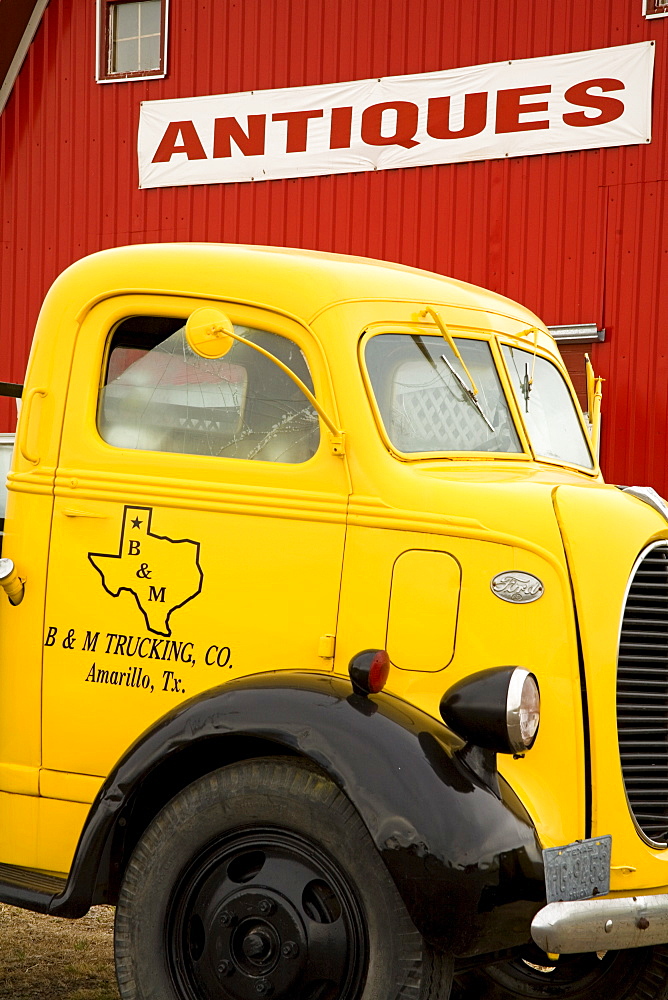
(581, 333)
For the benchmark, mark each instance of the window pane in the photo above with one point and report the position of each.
(547, 408)
(126, 20)
(126, 56)
(421, 390)
(161, 396)
(135, 42)
(150, 52)
(149, 12)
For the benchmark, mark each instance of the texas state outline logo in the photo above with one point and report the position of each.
(160, 572)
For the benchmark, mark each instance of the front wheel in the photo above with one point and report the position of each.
(635, 974)
(261, 880)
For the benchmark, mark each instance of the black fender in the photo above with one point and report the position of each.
(461, 849)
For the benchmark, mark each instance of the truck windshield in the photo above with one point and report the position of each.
(424, 395)
(547, 408)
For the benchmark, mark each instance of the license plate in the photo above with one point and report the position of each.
(578, 871)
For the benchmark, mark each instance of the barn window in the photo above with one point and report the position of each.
(655, 8)
(132, 39)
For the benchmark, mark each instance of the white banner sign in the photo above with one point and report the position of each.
(582, 100)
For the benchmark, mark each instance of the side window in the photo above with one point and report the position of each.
(158, 395)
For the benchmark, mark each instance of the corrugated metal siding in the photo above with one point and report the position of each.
(578, 237)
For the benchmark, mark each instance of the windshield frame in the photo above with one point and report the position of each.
(495, 341)
(459, 333)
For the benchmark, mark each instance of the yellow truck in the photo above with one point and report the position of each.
(326, 654)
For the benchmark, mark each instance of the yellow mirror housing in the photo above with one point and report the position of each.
(209, 332)
(591, 385)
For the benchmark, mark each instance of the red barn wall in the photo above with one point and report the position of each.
(578, 237)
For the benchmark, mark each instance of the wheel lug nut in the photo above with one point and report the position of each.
(266, 908)
(290, 949)
(225, 968)
(227, 918)
(264, 988)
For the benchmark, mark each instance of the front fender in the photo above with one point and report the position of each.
(464, 858)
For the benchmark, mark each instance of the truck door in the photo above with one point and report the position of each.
(198, 525)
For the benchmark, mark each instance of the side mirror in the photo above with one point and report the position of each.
(594, 396)
(209, 332)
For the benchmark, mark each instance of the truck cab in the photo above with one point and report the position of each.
(326, 654)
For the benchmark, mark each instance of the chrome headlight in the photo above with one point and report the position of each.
(498, 709)
(649, 495)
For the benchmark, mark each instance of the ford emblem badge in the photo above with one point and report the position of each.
(517, 587)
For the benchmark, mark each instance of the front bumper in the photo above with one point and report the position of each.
(601, 924)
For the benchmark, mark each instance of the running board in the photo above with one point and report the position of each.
(29, 888)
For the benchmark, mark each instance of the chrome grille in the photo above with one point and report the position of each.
(642, 693)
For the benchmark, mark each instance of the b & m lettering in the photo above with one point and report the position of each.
(90, 641)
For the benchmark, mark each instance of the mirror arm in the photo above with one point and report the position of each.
(337, 437)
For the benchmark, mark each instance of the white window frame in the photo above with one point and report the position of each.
(102, 74)
(652, 13)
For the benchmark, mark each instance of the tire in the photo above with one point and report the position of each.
(635, 974)
(260, 879)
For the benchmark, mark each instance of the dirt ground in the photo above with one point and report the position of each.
(46, 958)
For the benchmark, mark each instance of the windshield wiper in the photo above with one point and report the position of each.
(469, 395)
(526, 386)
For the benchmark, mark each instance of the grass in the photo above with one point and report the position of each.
(47, 958)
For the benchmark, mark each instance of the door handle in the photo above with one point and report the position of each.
(25, 425)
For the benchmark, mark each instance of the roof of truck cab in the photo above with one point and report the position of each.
(303, 283)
